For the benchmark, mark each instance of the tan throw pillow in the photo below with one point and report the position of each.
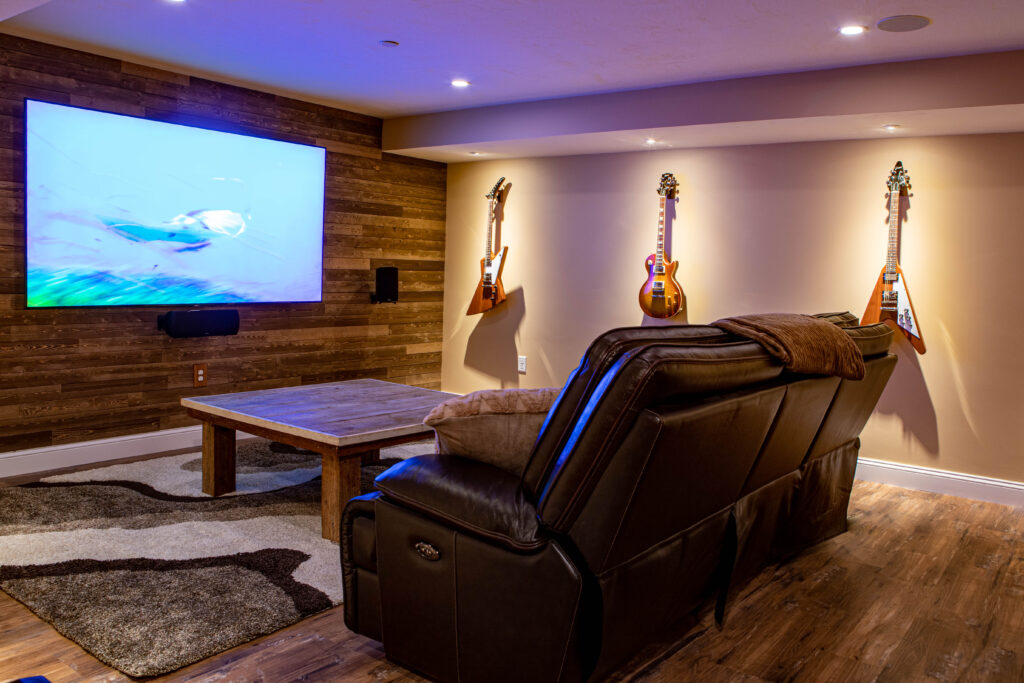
(496, 426)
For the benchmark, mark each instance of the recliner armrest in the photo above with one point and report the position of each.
(470, 495)
(359, 565)
(357, 551)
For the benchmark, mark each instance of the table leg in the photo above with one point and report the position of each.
(340, 481)
(218, 459)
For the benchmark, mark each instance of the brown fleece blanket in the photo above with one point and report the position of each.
(802, 343)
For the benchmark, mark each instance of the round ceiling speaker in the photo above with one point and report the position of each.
(901, 23)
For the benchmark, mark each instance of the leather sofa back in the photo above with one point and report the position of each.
(822, 413)
(600, 356)
(643, 376)
(854, 400)
(671, 433)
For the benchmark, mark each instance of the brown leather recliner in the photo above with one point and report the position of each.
(674, 459)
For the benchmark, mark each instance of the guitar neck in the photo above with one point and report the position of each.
(659, 259)
(891, 259)
(490, 231)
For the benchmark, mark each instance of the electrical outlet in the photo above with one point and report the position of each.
(522, 365)
(199, 375)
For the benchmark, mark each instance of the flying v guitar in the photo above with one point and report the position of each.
(890, 302)
(490, 291)
(661, 296)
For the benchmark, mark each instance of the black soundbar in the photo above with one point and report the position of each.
(199, 323)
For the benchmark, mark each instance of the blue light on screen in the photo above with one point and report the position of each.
(127, 211)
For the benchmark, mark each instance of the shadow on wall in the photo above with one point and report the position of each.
(906, 396)
(491, 347)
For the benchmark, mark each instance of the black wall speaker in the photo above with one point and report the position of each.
(199, 323)
(387, 286)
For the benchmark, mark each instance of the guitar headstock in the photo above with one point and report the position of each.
(899, 179)
(494, 190)
(668, 185)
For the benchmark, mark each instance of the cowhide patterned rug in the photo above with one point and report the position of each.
(135, 564)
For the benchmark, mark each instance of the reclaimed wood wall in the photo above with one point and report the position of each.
(69, 375)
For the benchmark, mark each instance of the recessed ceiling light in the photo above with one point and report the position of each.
(475, 154)
(460, 83)
(650, 141)
(853, 30)
(890, 127)
(901, 23)
(386, 43)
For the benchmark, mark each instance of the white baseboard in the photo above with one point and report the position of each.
(1000, 491)
(32, 460)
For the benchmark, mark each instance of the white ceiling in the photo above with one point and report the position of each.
(512, 50)
(524, 55)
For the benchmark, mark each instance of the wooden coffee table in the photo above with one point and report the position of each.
(345, 422)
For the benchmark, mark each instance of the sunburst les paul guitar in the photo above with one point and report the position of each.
(490, 291)
(661, 296)
(890, 302)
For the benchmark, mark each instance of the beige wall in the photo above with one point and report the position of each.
(793, 227)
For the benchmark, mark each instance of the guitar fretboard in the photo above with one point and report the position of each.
(659, 258)
(894, 233)
(490, 227)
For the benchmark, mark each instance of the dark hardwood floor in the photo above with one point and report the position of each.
(923, 587)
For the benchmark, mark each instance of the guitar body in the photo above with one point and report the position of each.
(890, 303)
(661, 296)
(489, 291)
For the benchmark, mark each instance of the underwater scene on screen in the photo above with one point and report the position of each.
(127, 211)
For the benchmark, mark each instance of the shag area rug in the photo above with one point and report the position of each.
(135, 564)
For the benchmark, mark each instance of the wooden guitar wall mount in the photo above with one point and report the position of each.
(890, 301)
(490, 291)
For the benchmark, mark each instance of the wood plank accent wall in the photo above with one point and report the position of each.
(69, 375)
